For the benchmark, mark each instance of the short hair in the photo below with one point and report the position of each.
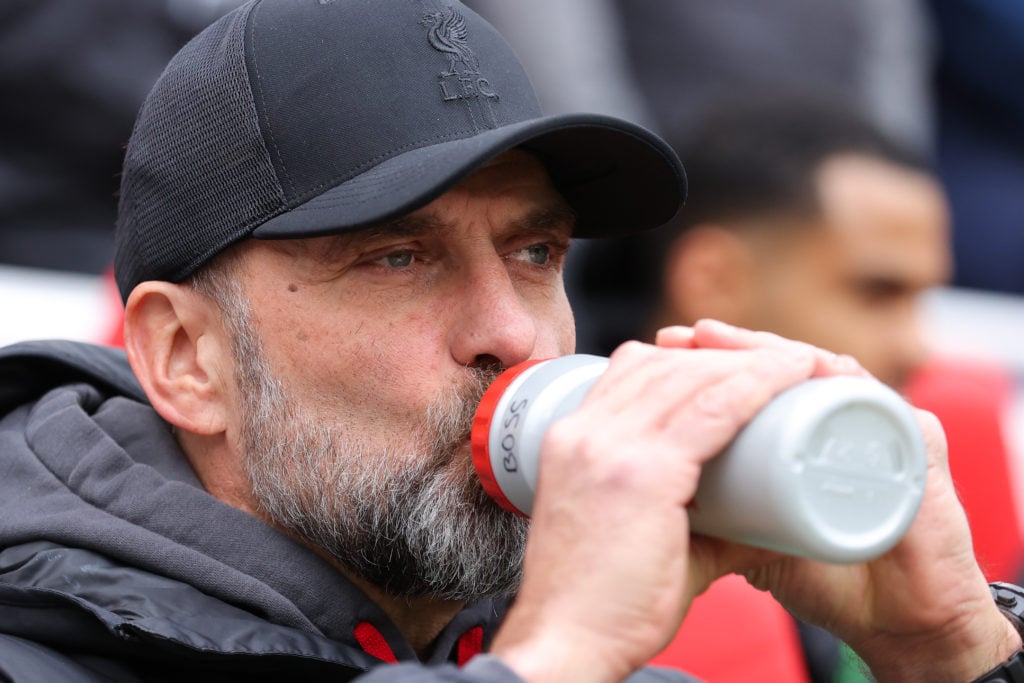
(756, 154)
(751, 155)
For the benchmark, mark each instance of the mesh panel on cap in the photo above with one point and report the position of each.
(197, 175)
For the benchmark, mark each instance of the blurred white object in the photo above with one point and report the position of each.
(49, 304)
(976, 324)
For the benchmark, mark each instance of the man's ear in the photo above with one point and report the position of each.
(709, 273)
(180, 353)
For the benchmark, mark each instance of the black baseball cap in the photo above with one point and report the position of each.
(299, 118)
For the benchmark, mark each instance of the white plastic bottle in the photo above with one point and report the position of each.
(832, 469)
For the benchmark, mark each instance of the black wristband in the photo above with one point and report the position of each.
(1010, 600)
(1010, 671)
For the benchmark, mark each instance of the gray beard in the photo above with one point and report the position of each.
(410, 518)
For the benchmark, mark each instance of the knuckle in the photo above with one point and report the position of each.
(572, 444)
(633, 350)
(561, 435)
(605, 458)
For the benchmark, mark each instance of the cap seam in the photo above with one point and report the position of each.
(251, 34)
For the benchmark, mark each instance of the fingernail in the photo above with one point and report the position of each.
(846, 363)
(676, 332)
(716, 325)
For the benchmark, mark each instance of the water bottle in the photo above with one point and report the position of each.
(831, 469)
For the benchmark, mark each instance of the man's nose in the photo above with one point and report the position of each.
(493, 325)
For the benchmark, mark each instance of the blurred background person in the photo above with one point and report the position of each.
(802, 220)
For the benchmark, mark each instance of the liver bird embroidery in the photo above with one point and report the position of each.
(447, 33)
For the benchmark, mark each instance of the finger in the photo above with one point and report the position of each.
(673, 431)
(635, 368)
(716, 334)
(644, 386)
(934, 436)
(676, 336)
(707, 422)
(630, 368)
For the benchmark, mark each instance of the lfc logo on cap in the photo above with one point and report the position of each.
(462, 81)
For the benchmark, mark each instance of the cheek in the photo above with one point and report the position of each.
(366, 362)
(393, 364)
(566, 331)
(555, 324)
(849, 324)
(817, 315)
(409, 352)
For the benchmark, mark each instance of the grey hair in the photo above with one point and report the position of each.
(413, 523)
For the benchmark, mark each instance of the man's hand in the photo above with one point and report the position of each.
(608, 575)
(611, 567)
(921, 612)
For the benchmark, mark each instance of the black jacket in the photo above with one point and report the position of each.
(115, 564)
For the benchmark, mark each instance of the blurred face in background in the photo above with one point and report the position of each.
(847, 280)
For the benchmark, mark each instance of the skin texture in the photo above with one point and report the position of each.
(379, 325)
(847, 280)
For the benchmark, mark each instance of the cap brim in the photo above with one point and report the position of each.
(617, 176)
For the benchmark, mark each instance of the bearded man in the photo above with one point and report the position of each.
(332, 234)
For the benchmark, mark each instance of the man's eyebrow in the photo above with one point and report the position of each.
(550, 216)
(545, 217)
(554, 216)
(403, 226)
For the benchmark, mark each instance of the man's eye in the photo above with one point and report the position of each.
(398, 259)
(881, 290)
(537, 254)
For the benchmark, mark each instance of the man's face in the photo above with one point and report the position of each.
(850, 281)
(361, 365)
